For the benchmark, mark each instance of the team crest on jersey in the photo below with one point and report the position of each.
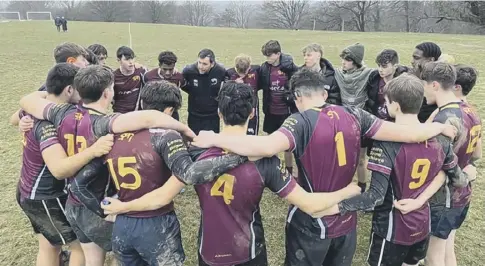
(196, 83)
(332, 114)
(213, 81)
(126, 136)
(78, 116)
(250, 76)
(280, 72)
(136, 78)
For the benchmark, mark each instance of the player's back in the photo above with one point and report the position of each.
(327, 153)
(127, 89)
(469, 132)
(412, 168)
(136, 168)
(36, 181)
(231, 229)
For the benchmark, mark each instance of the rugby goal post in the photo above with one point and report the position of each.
(28, 15)
(7, 15)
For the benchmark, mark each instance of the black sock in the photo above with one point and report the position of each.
(290, 169)
(362, 186)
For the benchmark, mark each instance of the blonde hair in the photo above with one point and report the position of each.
(446, 58)
(313, 47)
(242, 63)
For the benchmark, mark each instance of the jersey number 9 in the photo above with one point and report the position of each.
(419, 173)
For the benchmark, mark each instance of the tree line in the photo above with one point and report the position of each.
(467, 17)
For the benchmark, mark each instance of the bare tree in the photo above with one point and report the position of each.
(197, 13)
(26, 6)
(358, 9)
(285, 14)
(156, 11)
(242, 12)
(110, 11)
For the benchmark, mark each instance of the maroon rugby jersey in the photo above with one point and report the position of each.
(326, 144)
(231, 230)
(127, 90)
(469, 133)
(409, 169)
(36, 181)
(79, 127)
(177, 79)
(278, 80)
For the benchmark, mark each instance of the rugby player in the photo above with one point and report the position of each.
(231, 231)
(100, 52)
(313, 56)
(403, 171)
(153, 155)
(274, 78)
(244, 72)
(78, 127)
(448, 216)
(312, 135)
(128, 81)
(203, 80)
(423, 53)
(166, 71)
(40, 191)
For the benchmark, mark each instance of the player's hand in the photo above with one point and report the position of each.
(471, 171)
(450, 131)
(204, 139)
(26, 123)
(103, 145)
(112, 206)
(408, 205)
(239, 80)
(110, 218)
(188, 133)
(353, 189)
(138, 65)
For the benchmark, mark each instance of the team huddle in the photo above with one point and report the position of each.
(102, 182)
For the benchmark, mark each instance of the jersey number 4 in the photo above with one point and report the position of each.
(419, 173)
(123, 171)
(227, 181)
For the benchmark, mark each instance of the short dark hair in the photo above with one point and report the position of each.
(68, 49)
(59, 77)
(466, 77)
(91, 82)
(207, 53)
(167, 58)
(98, 49)
(92, 58)
(125, 51)
(387, 56)
(407, 91)
(236, 102)
(306, 81)
(430, 50)
(159, 95)
(443, 73)
(271, 47)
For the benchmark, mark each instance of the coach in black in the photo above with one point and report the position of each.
(203, 81)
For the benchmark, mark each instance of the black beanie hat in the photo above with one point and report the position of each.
(430, 49)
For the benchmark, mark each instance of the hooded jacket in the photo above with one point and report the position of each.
(373, 88)
(288, 67)
(331, 85)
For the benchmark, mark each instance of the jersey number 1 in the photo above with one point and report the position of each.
(341, 154)
(474, 136)
(71, 143)
(227, 181)
(419, 173)
(123, 171)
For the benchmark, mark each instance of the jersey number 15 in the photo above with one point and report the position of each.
(123, 171)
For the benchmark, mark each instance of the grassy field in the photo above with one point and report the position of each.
(26, 55)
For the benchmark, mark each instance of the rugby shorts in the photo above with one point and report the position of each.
(385, 253)
(444, 220)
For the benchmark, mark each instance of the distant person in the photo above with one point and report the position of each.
(100, 51)
(57, 22)
(203, 80)
(64, 24)
(166, 71)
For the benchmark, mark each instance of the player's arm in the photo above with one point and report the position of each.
(153, 200)
(172, 149)
(281, 140)
(35, 103)
(15, 118)
(377, 129)
(60, 165)
(408, 205)
(450, 166)
(137, 120)
(80, 185)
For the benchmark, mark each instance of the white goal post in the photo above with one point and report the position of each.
(33, 12)
(10, 15)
